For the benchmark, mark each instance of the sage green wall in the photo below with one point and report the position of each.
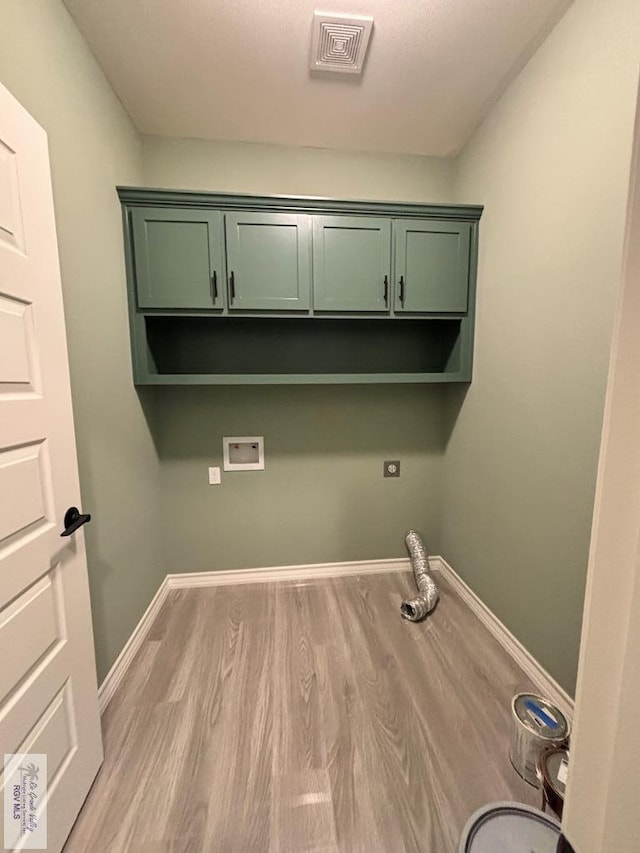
(247, 167)
(551, 165)
(322, 496)
(46, 64)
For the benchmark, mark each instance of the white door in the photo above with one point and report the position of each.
(48, 694)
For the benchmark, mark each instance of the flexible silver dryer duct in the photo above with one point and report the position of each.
(419, 606)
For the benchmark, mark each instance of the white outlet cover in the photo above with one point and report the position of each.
(243, 452)
(214, 476)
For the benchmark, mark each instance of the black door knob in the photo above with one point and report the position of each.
(73, 520)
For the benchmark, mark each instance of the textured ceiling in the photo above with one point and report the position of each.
(239, 69)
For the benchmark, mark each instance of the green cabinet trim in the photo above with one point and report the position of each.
(305, 379)
(228, 289)
(296, 204)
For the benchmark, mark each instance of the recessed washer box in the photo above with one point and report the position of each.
(243, 452)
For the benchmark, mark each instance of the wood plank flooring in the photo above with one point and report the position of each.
(290, 717)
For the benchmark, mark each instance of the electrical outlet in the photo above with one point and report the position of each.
(391, 468)
(214, 477)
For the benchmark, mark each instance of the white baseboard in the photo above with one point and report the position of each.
(287, 573)
(545, 683)
(123, 661)
(548, 687)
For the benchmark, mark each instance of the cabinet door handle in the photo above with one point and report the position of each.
(386, 289)
(214, 285)
(232, 286)
(402, 290)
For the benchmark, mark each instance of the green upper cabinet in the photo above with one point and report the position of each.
(431, 265)
(227, 289)
(268, 261)
(351, 263)
(178, 256)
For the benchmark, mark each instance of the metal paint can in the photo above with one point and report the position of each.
(510, 826)
(537, 725)
(553, 768)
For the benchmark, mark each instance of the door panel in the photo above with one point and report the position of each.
(21, 473)
(19, 373)
(269, 261)
(351, 263)
(53, 734)
(11, 230)
(48, 691)
(179, 258)
(431, 265)
(29, 627)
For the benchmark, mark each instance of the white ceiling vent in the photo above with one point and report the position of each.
(339, 42)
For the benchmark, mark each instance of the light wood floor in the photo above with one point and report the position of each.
(304, 717)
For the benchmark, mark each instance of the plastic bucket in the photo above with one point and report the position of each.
(512, 827)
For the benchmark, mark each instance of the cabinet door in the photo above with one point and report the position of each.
(178, 256)
(351, 263)
(268, 261)
(431, 265)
